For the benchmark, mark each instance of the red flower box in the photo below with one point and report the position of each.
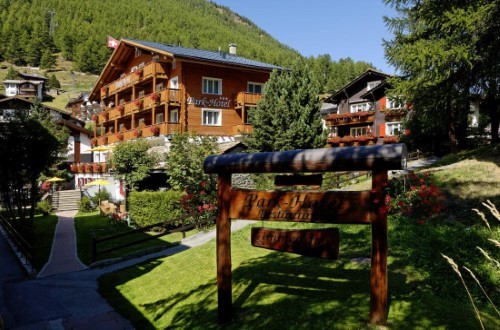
(119, 136)
(155, 97)
(137, 132)
(138, 103)
(120, 109)
(155, 130)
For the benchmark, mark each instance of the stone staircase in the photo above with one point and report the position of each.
(65, 200)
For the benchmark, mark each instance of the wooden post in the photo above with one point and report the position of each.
(223, 237)
(378, 273)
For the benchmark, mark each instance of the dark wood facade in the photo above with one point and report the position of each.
(365, 114)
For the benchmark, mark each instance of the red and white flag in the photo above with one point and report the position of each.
(112, 42)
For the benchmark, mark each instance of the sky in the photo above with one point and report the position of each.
(341, 28)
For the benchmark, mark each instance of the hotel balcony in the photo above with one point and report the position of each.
(351, 118)
(242, 128)
(138, 132)
(138, 77)
(244, 99)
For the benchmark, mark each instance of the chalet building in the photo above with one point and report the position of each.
(363, 113)
(149, 89)
(29, 86)
(79, 139)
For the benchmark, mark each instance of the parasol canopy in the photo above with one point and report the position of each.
(100, 148)
(55, 179)
(98, 182)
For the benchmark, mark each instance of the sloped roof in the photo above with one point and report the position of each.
(200, 54)
(353, 84)
(32, 76)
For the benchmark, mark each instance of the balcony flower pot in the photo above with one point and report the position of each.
(137, 132)
(105, 115)
(138, 72)
(138, 103)
(96, 168)
(88, 168)
(119, 136)
(155, 97)
(80, 168)
(155, 130)
(95, 118)
(93, 142)
(103, 140)
(73, 168)
(120, 109)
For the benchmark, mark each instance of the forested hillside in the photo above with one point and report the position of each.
(32, 31)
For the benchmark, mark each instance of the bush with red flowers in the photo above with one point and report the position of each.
(200, 203)
(415, 196)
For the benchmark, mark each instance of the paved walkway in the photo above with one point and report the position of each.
(64, 295)
(63, 256)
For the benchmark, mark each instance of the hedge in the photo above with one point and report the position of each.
(150, 207)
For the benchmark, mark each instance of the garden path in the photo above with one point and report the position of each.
(63, 256)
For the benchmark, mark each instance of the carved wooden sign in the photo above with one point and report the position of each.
(320, 243)
(361, 207)
(301, 206)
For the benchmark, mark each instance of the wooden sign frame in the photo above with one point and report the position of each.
(360, 207)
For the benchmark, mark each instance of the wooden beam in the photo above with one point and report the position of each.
(223, 238)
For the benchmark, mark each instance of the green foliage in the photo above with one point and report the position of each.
(48, 60)
(44, 207)
(150, 207)
(85, 205)
(132, 162)
(101, 195)
(28, 149)
(53, 82)
(288, 116)
(446, 53)
(185, 162)
(12, 74)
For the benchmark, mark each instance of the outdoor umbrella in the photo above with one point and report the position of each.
(98, 182)
(54, 180)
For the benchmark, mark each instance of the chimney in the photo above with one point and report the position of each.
(232, 49)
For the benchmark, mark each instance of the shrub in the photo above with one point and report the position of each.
(85, 205)
(102, 195)
(150, 207)
(415, 196)
(44, 207)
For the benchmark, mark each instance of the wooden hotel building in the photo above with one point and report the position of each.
(150, 89)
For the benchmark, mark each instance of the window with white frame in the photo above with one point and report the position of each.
(393, 128)
(211, 117)
(174, 116)
(212, 86)
(358, 107)
(256, 88)
(395, 102)
(357, 131)
(372, 84)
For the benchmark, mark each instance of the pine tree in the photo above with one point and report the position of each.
(288, 116)
(48, 61)
(446, 52)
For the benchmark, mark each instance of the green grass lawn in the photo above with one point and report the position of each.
(275, 290)
(44, 227)
(86, 223)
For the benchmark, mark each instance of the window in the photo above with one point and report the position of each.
(372, 84)
(256, 88)
(361, 107)
(212, 86)
(357, 131)
(212, 117)
(395, 103)
(393, 128)
(159, 118)
(174, 116)
(174, 83)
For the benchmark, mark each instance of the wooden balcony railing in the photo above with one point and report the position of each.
(350, 118)
(242, 128)
(247, 99)
(151, 69)
(145, 131)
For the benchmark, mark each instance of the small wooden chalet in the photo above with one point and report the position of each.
(79, 139)
(149, 89)
(364, 114)
(29, 86)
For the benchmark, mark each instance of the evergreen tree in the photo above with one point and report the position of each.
(53, 82)
(447, 51)
(288, 115)
(48, 61)
(12, 74)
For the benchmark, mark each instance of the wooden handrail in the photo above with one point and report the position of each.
(368, 158)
